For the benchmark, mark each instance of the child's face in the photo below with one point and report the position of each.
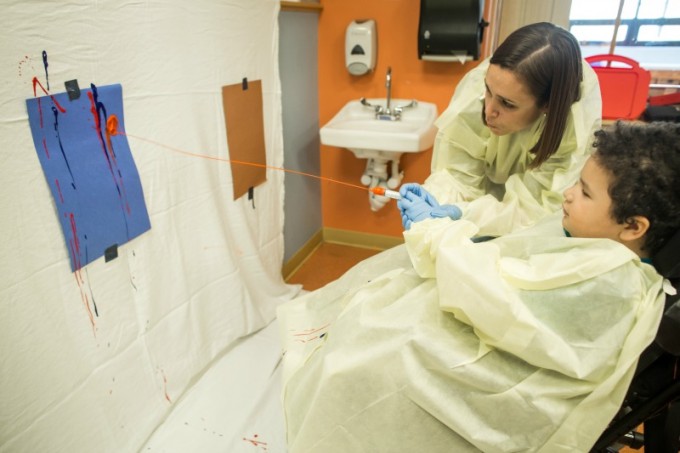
(587, 205)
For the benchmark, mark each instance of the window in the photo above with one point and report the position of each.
(648, 32)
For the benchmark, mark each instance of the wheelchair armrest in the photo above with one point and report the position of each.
(666, 260)
(668, 336)
(667, 263)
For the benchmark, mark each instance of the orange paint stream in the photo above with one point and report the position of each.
(112, 130)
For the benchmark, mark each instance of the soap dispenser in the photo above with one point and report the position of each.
(360, 47)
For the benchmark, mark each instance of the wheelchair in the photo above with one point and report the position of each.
(653, 399)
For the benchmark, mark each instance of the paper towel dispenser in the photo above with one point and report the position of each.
(450, 30)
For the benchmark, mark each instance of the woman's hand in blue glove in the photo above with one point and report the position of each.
(415, 204)
(418, 204)
(447, 210)
(412, 190)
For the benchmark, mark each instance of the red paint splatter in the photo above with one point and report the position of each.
(21, 63)
(256, 442)
(307, 335)
(165, 387)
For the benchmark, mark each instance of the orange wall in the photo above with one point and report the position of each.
(397, 29)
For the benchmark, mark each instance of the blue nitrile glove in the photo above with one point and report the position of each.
(419, 191)
(417, 204)
(447, 210)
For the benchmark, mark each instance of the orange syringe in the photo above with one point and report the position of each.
(385, 192)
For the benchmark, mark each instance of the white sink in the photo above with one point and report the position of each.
(356, 128)
(381, 138)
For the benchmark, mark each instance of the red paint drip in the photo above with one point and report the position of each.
(40, 113)
(93, 109)
(61, 109)
(86, 302)
(44, 142)
(75, 254)
(36, 83)
(74, 232)
(61, 196)
(107, 148)
(98, 127)
(125, 197)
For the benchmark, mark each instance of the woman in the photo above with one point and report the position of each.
(514, 136)
(524, 343)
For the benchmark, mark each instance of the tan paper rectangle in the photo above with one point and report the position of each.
(245, 134)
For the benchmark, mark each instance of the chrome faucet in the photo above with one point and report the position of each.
(386, 112)
(388, 85)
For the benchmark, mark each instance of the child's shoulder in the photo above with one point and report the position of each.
(544, 257)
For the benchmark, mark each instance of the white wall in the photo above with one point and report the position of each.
(208, 271)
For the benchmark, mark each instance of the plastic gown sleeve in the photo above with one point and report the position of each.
(529, 300)
(489, 176)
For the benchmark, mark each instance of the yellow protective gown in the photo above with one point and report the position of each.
(525, 343)
(488, 176)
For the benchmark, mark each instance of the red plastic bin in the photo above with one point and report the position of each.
(665, 99)
(624, 89)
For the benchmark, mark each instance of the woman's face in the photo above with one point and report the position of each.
(587, 205)
(508, 105)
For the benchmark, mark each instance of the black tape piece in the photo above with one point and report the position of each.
(244, 84)
(251, 195)
(72, 89)
(111, 253)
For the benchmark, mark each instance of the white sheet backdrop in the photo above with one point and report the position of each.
(208, 271)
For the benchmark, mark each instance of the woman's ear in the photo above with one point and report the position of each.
(635, 228)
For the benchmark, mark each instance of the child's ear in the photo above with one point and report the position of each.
(635, 228)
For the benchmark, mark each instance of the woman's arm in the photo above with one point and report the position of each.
(460, 145)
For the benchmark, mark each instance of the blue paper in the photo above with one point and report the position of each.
(91, 173)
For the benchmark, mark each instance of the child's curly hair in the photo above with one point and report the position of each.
(644, 163)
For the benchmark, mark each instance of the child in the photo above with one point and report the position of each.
(524, 343)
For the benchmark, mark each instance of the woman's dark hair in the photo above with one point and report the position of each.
(643, 161)
(547, 59)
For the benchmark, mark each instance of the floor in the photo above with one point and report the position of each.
(329, 261)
